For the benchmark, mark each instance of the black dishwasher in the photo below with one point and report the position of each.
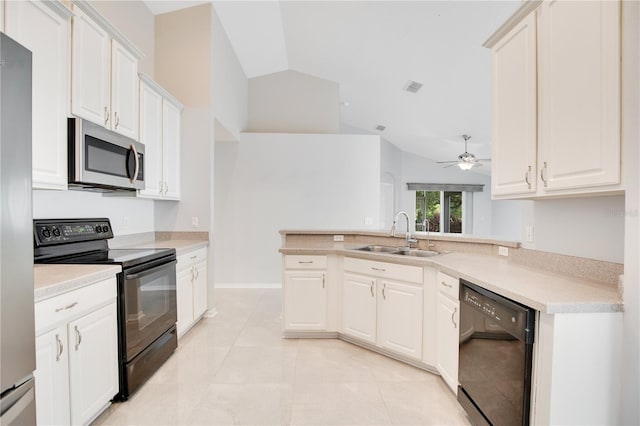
(496, 351)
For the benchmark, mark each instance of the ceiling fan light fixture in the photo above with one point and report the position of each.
(465, 166)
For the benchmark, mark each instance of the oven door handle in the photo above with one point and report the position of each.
(148, 271)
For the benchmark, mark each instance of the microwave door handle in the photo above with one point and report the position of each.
(137, 164)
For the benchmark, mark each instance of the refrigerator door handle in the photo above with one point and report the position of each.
(13, 405)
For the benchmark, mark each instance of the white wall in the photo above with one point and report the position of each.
(293, 102)
(230, 85)
(631, 137)
(127, 215)
(269, 182)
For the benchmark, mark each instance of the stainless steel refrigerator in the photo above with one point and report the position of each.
(17, 350)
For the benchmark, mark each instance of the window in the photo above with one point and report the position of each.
(443, 210)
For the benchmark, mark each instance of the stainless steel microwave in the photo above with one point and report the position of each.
(102, 159)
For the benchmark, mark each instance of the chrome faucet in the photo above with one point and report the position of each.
(425, 226)
(408, 239)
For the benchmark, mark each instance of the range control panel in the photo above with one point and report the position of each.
(49, 232)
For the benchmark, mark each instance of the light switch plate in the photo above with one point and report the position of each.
(529, 234)
(503, 251)
(368, 220)
(194, 222)
(338, 238)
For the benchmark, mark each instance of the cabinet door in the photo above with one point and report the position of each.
(514, 102)
(359, 307)
(400, 318)
(90, 69)
(579, 94)
(93, 363)
(52, 378)
(305, 300)
(151, 137)
(124, 91)
(171, 149)
(184, 298)
(448, 340)
(200, 289)
(50, 46)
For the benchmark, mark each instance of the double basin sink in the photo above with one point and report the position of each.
(402, 251)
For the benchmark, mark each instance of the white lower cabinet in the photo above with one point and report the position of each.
(380, 311)
(305, 293)
(191, 289)
(76, 354)
(448, 334)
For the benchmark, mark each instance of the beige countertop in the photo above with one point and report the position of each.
(544, 291)
(52, 280)
(182, 246)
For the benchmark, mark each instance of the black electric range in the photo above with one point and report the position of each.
(147, 310)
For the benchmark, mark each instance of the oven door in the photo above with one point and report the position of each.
(148, 304)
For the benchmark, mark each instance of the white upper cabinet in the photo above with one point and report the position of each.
(514, 111)
(160, 133)
(124, 91)
(50, 46)
(557, 132)
(90, 62)
(104, 78)
(579, 95)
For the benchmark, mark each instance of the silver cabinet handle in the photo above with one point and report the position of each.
(526, 177)
(193, 274)
(160, 187)
(166, 187)
(323, 280)
(446, 285)
(197, 272)
(193, 257)
(60, 348)
(64, 308)
(543, 173)
(372, 293)
(384, 286)
(378, 269)
(303, 262)
(78, 337)
(137, 166)
(106, 116)
(117, 118)
(453, 319)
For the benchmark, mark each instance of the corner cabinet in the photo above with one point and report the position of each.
(104, 77)
(383, 305)
(191, 289)
(448, 334)
(76, 354)
(556, 101)
(50, 45)
(305, 293)
(160, 133)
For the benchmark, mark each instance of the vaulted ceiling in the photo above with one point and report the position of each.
(373, 49)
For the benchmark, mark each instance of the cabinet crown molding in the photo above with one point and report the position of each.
(59, 8)
(523, 11)
(93, 13)
(161, 90)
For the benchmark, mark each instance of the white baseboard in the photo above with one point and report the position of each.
(247, 285)
(210, 313)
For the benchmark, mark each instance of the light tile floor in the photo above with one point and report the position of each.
(237, 369)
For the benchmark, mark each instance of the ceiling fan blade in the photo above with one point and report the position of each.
(447, 162)
(455, 163)
(483, 159)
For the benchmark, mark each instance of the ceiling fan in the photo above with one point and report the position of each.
(465, 161)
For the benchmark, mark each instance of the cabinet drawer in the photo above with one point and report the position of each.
(192, 257)
(448, 285)
(394, 271)
(65, 306)
(305, 262)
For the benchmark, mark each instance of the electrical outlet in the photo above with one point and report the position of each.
(368, 220)
(125, 222)
(194, 222)
(529, 234)
(338, 238)
(503, 251)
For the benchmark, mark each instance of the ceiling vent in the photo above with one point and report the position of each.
(380, 128)
(413, 86)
